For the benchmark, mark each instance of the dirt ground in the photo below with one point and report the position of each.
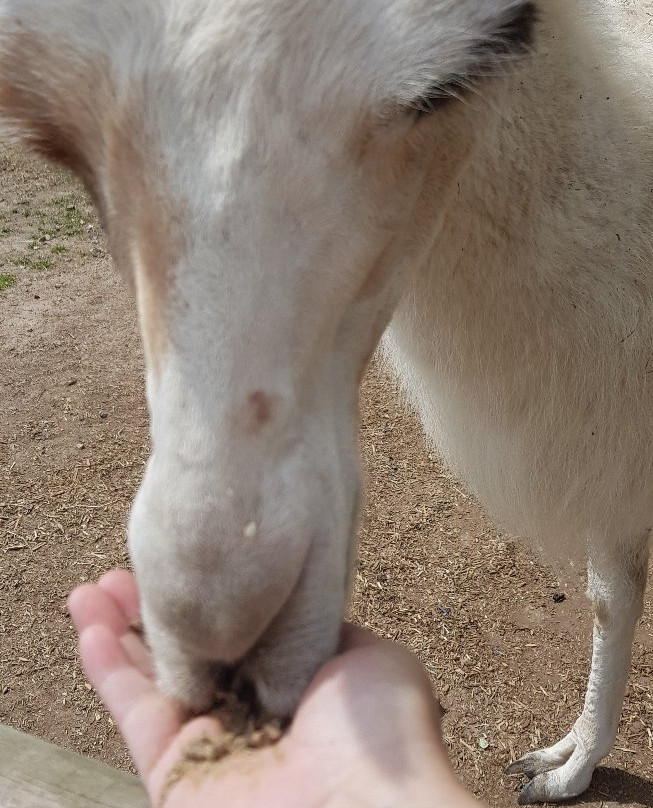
(505, 637)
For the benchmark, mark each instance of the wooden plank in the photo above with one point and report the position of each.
(37, 774)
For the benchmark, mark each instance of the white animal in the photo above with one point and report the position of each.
(276, 179)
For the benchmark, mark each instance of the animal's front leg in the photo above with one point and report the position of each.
(616, 586)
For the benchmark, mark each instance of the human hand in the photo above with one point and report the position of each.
(366, 733)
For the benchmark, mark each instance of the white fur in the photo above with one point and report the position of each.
(272, 199)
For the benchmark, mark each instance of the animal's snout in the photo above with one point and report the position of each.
(216, 562)
(241, 567)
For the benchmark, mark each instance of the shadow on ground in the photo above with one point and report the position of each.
(616, 787)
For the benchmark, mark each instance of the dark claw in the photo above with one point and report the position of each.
(516, 767)
(527, 765)
(529, 794)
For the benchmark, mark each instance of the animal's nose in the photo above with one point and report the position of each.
(240, 537)
(252, 583)
(215, 585)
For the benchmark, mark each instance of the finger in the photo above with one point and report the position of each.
(208, 731)
(138, 653)
(93, 605)
(89, 605)
(353, 636)
(121, 584)
(147, 720)
(122, 587)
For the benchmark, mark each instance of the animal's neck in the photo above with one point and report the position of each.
(555, 143)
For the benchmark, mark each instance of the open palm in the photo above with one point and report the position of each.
(366, 731)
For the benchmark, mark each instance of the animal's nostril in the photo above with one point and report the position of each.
(516, 32)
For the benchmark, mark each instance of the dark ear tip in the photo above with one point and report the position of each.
(432, 101)
(517, 33)
(513, 35)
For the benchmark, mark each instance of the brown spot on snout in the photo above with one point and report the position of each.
(257, 411)
(261, 407)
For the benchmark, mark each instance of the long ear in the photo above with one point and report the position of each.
(442, 47)
(51, 85)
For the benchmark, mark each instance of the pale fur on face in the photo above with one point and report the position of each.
(272, 194)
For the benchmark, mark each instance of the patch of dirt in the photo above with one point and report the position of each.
(508, 653)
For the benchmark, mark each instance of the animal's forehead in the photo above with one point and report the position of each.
(291, 48)
(363, 52)
(370, 46)
(220, 77)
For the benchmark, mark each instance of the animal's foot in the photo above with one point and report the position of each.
(557, 773)
(544, 760)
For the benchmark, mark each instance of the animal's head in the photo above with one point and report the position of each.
(268, 174)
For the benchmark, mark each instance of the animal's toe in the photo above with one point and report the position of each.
(532, 764)
(530, 794)
(547, 787)
(520, 766)
(541, 761)
(559, 784)
(543, 788)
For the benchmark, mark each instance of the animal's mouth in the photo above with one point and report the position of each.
(245, 727)
(232, 686)
(236, 696)
(239, 710)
